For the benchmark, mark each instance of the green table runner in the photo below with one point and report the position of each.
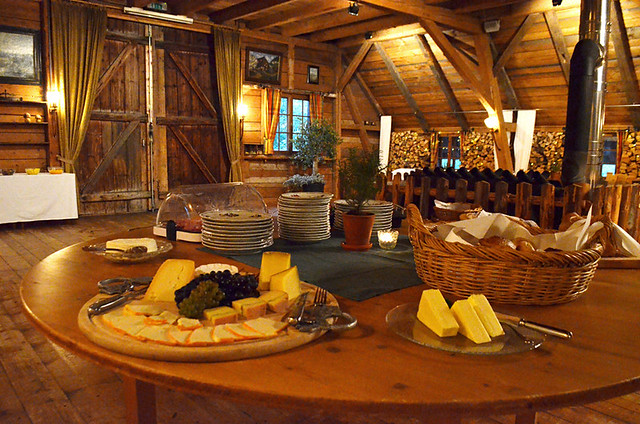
(355, 275)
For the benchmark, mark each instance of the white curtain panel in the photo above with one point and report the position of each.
(523, 140)
(385, 140)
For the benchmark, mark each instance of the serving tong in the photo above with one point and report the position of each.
(315, 317)
(121, 290)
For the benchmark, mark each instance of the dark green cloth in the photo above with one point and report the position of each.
(355, 275)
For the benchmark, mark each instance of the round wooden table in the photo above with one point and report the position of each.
(369, 370)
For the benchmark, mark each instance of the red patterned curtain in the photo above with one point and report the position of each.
(315, 106)
(270, 114)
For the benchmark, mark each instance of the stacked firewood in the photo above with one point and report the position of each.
(630, 159)
(409, 150)
(477, 150)
(547, 151)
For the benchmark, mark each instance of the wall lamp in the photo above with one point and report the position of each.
(353, 8)
(242, 112)
(53, 100)
(492, 122)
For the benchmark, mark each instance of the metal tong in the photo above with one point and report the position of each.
(315, 317)
(121, 290)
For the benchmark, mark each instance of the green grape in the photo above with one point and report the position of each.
(206, 295)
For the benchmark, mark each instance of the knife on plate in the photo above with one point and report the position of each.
(541, 328)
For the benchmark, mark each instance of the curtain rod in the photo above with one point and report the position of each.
(291, 90)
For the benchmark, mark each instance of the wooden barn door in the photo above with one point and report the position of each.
(154, 126)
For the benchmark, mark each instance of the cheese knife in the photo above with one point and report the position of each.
(541, 328)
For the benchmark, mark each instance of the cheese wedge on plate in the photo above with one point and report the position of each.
(287, 281)
(250, 307)
(272, 263)
(277, 300)
(435, 314)
(172, 275)
(487, 316)
(221, 315)
(128, 243)
(470, 325)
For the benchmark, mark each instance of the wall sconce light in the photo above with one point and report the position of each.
(353, 8)
(492, 122)
(53, 100)
(242, 112)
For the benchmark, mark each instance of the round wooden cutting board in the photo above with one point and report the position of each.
(101, 334)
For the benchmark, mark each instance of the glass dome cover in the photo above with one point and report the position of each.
(184, 204)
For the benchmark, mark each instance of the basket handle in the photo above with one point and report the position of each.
(415, 218)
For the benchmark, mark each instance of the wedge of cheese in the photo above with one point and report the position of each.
(221, 315)
(487, 316)
(250, 307)
(277, 301)
(222, 335)
(435, 314)
(470, 325)
(172, 275)
(272, 263)
(287, 281)
(265, 326)
(128, 243)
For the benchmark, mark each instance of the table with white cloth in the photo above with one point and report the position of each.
(37, 197)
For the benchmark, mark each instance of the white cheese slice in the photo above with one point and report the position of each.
(128, 243)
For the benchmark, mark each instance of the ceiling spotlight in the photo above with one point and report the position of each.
(556, 2)
(353, 8)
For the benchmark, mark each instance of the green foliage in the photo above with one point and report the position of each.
(358, 174)
(318, 141)
(297, 181)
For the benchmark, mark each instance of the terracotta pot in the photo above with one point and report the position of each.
(357, 231)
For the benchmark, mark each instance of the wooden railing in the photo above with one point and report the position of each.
(621, 202)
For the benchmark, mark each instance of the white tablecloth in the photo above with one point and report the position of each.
(37, 197)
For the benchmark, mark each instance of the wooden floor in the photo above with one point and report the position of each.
(42, 383)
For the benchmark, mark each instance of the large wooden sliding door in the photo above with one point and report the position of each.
(154, 125)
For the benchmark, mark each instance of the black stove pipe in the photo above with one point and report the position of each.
(584, 61)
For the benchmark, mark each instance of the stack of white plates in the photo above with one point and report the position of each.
(383, 211)
(304, 216)
(237, 231)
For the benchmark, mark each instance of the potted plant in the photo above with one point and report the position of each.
(317, 141)
(358, 173)
(313, 182)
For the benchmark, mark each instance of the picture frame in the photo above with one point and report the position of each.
(20, 56)
(263, 66)
(313, 74)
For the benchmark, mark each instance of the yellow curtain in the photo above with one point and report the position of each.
(77, 42)
(228, 72)
(315, 103)
(270, 107)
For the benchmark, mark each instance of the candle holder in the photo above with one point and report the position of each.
(387, 239)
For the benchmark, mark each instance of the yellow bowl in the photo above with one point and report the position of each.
(32, 171)
(55, 170)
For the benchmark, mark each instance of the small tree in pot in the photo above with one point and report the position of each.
(358, 173)
(317, 141)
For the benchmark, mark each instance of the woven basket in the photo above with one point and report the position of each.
(503, 275)
(443, 214)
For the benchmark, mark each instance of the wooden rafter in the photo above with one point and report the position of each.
(194, 84)
(357, 117)
(298, 14)
(193, 154)
(504, 81)
(440, 76)
(361, 27)
(620, 40)
(353, 66)
(419, 9)
(331, 20)
(114, 66)
(402, 86)
(558, 41)
(241, 10)
(524, 8)
(466, 49)
(514, 42)
(187, 7)
(365, 89)
(384, 35)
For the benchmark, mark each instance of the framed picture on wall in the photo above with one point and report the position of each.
(263, 66)
(19, 56)
(313, 74)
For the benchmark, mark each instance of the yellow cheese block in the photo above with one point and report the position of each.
(470, 325)
(277, 301)
(128, 243)
(435, 314)
(250, 307)
(272, 263)
(221, 315)
(487, 316)
(172, 275)
(287, 281)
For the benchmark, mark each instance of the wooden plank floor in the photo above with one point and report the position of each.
(42, 383)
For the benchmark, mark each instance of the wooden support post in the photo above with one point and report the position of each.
(140, 401)
(395, 189)
(461, 190)
(573, 198)
(408, 189)
(547, 206)
(425, 196)
(523, 200)
(442, 189)
(596, 196)
(625, 205)
(481, 195)
(501, 199)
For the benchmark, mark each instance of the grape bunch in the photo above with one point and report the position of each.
(206, 295)
(233, 286)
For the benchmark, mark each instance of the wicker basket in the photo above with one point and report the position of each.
(443, 214)
(503, 275)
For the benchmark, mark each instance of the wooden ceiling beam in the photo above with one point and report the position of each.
(443, 82)
(419, 9)
(357, 117)
(242, 10)
(316, 9)
(137, 3)
(465, 49)
(296, 41)
(514, 42)
(353, 66)
(402, 86)
(558, 41)
(384, 35)
(331, 20)
(186, 7)
(621, 45)
(361, 28)
(365, 88)
(504, 81)
(524, 8)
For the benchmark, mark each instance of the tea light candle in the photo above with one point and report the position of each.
(387, 239)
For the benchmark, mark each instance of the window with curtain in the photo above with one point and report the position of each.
(294, 115)
(449, 151)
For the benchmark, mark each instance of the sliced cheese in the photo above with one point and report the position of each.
(156, 333)
(201, 337)
(128, 243)
(178, 336)
(272, 263)
(277, 301)
(470, 325)
(221, 315)
(250, 307)
(188, 323)
(287, 281)
(487, 316)
(137, 309)
(435, 314)
(242, 332)
(172, 275)
(125, 324)
(222, 335)
(170, 317)
(155, 320)
(265, 326)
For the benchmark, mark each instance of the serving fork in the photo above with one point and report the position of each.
(316, 317)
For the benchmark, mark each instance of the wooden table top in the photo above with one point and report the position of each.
(370, 369)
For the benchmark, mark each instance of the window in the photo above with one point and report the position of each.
(449, 151)
(609, 154)
(294, 115)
